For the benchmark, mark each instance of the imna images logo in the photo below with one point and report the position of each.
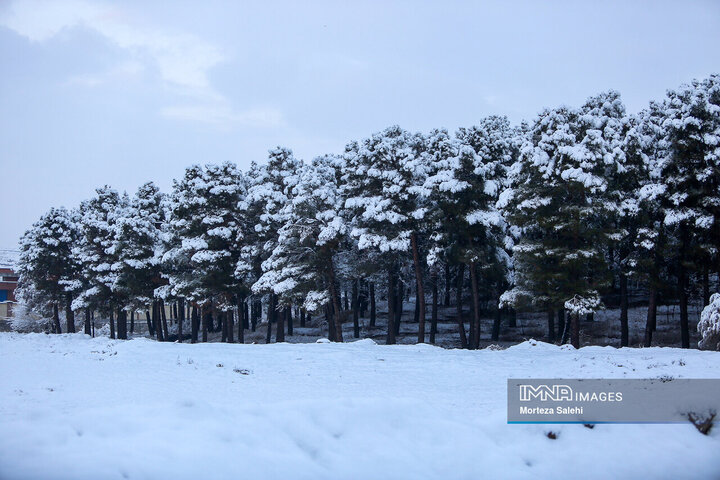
(553, 393)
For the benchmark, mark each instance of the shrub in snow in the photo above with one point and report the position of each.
(709, 325)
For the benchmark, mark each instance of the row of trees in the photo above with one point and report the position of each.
(551, 215)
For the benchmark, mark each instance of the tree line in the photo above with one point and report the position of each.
(552, 215)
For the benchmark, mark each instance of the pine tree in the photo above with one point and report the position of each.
(46, 266)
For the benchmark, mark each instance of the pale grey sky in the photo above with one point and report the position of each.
(96, 92)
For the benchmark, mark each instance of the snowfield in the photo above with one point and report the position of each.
(73, 407)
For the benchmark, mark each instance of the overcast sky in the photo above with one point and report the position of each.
(120, 93)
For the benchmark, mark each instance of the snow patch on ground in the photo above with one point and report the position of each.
(82, 408)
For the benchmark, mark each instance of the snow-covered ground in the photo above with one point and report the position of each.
(82, 408)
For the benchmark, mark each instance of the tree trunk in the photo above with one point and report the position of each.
(181, 318)
(290, 321)
(87, 321)
(575, 330)
(651, 316)
(151, 329)
(270, 317)
(475, 325)
(624, 333)
(551, 325)
(122, 324)
(280, 327)
(241, 327)
(458, 305)
(373, 310)
(230, 320)
(356, 308)
(112, 323)
(336, 301)
(512, 321)
(56, 319)
(447, 284)
(399, 299)
(132, 321)
(166, 334)
(434, 314)
(420, 297)
(204, 314)
(156, 321)
(302, 318)
(562, 325)
(194, 324)
(392, 303)
(69, 314)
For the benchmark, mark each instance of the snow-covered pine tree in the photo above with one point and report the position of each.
(644, 232)
(203, 242)
(301, 268)
(383, 187)
(691, 174)
(137, 243)
(46, 266)
(558, 191)
(97, 254)
(268, 195)
(486, 152)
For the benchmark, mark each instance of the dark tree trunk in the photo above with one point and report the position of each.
(651, 316)
(475, 325)
(392, 303)
(87, 321)
(122, 324)
(194, 324)
(69, 314)
(551, 325)
(132, 321)
(356, 309)
(280, 327)
(270, 317)
(230, 321)
(624, 331)
(222, 323)
(112, 323)
(156, 321)
(420, 297)
(290, 321)
(56, 320)
(302, 318)
(458, 305)
(181, 318)
(399, 299)
(255, 313)
(204, 317)
(241, 326)
(92, 322)
(434, 314)
(246, 314)
(161, 305)
(347, 301)
(148, 320)
(575, 330)
(373, 311)
(447, 285)
(562, 326)
(337, 313)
